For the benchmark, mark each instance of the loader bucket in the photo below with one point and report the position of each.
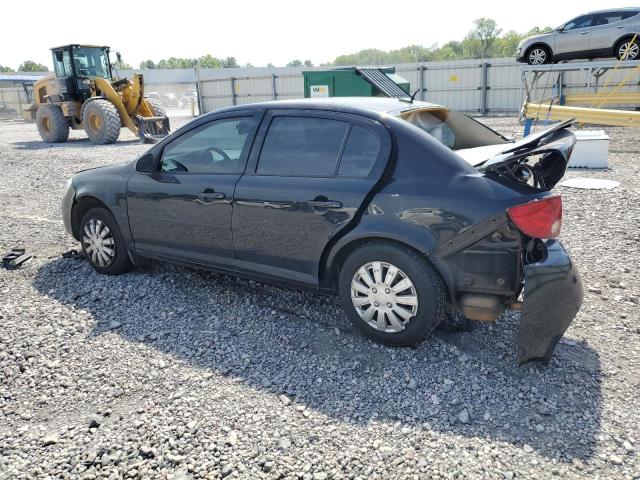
(152, 129)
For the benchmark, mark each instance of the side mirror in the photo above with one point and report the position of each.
(560, 28)
(119, 57)
(146, 163)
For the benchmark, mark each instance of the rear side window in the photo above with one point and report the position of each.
(612, 17)
(302, 146)
(360, 153)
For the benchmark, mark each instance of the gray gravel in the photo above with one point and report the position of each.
(172, 373)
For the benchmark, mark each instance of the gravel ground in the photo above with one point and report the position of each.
(172, 373)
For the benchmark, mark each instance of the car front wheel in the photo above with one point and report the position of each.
(103, 244)
(538, 55)
(392, 293)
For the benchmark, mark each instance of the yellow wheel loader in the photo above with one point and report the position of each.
(83, 94)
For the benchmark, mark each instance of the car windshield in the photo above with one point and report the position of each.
(91, 62)
(452, 129)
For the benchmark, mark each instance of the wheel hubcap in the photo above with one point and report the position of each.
(46, 124)
(384, 296)
(95, 122)
(99, 243)
(629, 51)
(537, 56)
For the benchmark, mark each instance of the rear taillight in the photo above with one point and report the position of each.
(540, 218)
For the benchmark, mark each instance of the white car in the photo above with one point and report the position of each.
(605, 33)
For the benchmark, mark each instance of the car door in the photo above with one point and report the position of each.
(573, 38)
(607, 28)
(182, 210)
(307, 179)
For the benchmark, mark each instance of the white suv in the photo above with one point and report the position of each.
(606, 33)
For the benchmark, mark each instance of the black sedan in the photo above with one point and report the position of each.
(407, 210)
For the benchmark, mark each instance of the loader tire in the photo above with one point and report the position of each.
(101, 121)
(53, 126)
(157, 109)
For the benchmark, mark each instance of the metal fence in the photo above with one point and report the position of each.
(13, 100)
(483, 87)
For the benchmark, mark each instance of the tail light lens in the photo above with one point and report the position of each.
(540, 218)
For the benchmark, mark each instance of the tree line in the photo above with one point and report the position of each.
(484, 40)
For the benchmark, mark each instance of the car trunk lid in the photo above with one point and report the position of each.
(539, 160)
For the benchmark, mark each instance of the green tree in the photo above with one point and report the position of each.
(484, 35)
(5, 69)
(308, 63)
(230, 62)
(270, 65)
(31, 66)
(147, 65)
(209, 61)
(294, 63)
(122, 65)
(507, 45)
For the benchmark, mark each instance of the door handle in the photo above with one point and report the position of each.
(325, 204)
(583, 33)
(209, 194)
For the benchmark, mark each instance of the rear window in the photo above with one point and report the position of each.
(360, 153)
(302, 146)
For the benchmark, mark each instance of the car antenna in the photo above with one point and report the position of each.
(410, 99)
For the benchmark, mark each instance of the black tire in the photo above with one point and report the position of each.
(631, 48)
(53, 126)
(157, 109)
(538, 52)
(120, 263)
(428, 285)
(101, 121)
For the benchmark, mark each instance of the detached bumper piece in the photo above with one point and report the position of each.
(152, 129)
(14, 258)
(552, 297)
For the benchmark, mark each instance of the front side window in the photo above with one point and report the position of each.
(302, 146)
(580, 22)
(215, 148)
(91, 62)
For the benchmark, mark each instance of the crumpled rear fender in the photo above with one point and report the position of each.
(552, 297)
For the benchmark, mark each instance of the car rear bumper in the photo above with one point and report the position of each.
(552, 297)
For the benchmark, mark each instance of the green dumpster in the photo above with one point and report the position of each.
(355, 82)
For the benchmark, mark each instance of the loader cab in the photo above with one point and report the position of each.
(75, 65)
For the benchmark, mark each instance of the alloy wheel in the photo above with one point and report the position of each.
(99, 243)
(384, 296)
(537, 56)
(628, 51)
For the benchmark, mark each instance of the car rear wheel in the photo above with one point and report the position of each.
(53, 126)
(391, 293)
(538, 55)
(103, 243)
(628, 50)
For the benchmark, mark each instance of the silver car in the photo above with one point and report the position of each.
(605, 33)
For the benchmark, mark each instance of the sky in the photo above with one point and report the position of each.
(259, 32)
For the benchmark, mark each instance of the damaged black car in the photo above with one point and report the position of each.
(409, 211)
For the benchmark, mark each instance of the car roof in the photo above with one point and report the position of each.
(370, 106)
(621, 9)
